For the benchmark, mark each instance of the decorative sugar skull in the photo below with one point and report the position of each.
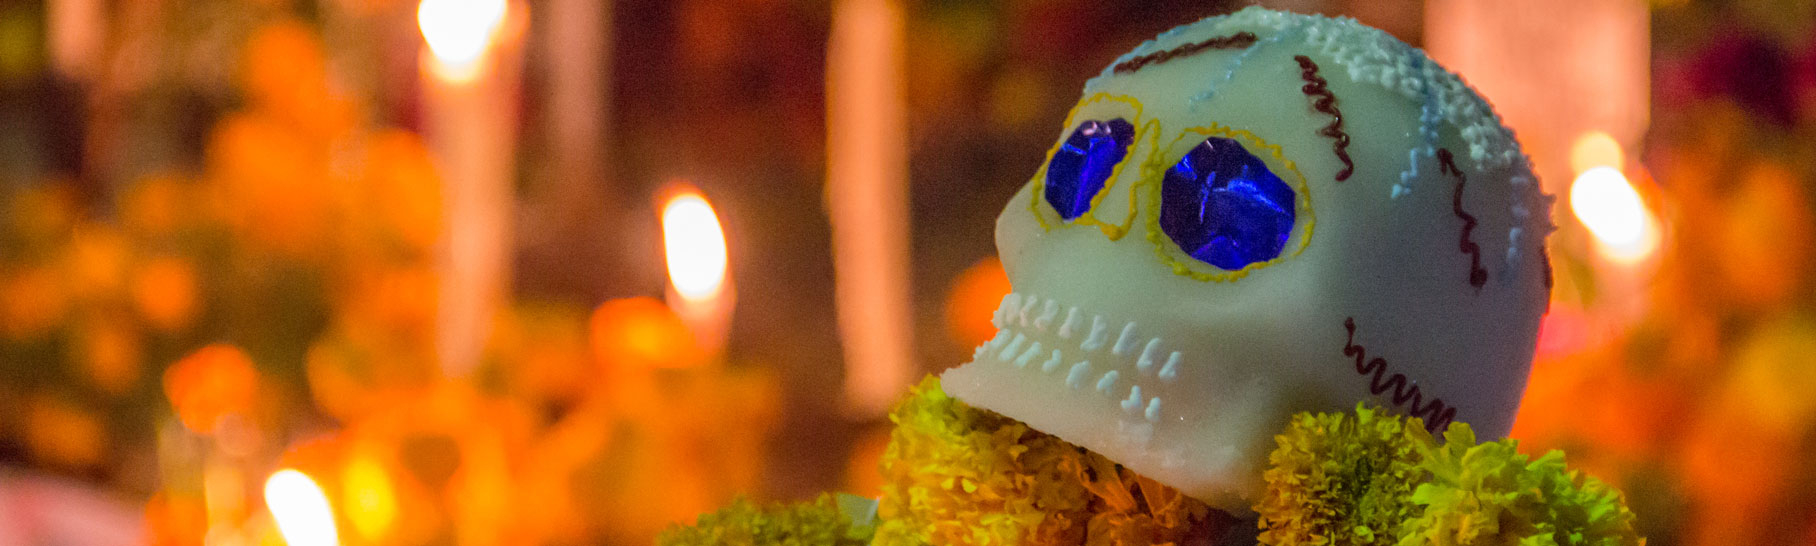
(1259, 214)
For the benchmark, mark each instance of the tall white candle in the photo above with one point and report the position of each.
(469, 85)
(867, 189)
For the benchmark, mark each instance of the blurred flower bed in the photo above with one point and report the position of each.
(197, 331)
(1695, 400)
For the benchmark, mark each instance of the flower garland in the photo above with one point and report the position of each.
(954, 474)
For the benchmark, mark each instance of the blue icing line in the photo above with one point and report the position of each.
(1510, 269)
(1229, 73)
(1429, 116)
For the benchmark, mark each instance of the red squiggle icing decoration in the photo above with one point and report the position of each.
(1436, 413)
(1477, 275)
(1240, 40)
(1324, 101)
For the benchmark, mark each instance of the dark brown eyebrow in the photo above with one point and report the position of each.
(1477, 275)
(1324, 101)
(1240, 40)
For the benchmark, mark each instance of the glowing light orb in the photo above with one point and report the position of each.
(301, 509)
(371, 501)
(695, 246)
(1606, 203)
(458, 31)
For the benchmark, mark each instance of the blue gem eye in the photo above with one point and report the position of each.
(1082, 165)
(1223, 206)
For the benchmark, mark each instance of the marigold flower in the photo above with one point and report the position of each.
(1338, 478)
(818, 523)
(1493, 494)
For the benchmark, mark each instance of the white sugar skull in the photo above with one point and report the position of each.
(1259, 214)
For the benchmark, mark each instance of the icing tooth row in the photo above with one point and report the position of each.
(1017, 348)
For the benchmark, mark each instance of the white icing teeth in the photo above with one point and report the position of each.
(1071, 323)
(1126, 341)
(1108, 381)
(1076, 378)
(1005, 310)
(1019, 349)
(1014, 346)
(1046, 315)
(1170, 371)
(1001, 336)
(1028, 355)
(1132, 404)
(1028, 308)
(1099, 334)
(1146, 362)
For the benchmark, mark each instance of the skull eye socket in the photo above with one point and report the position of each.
(1224, 207)
(1081, 166)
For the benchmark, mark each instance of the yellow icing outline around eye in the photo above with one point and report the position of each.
(1152, 171)
(1149, 130)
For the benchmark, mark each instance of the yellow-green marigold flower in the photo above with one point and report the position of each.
(816, 523)
(956, 475)
(1492, 494)
(1339, 479)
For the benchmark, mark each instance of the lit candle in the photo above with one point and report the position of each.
(1622, 234)
(469, 83)
(300, 509)
(867, 193)
(700, 289)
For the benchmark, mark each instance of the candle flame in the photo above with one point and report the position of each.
(695, 246)
(301, 509)
(459, 31)
(1606, 203)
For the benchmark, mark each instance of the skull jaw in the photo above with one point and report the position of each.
(1211, 454)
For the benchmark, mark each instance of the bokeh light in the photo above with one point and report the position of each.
(1606, 203)
(458, 31)
(301, 509)
(695, 246)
